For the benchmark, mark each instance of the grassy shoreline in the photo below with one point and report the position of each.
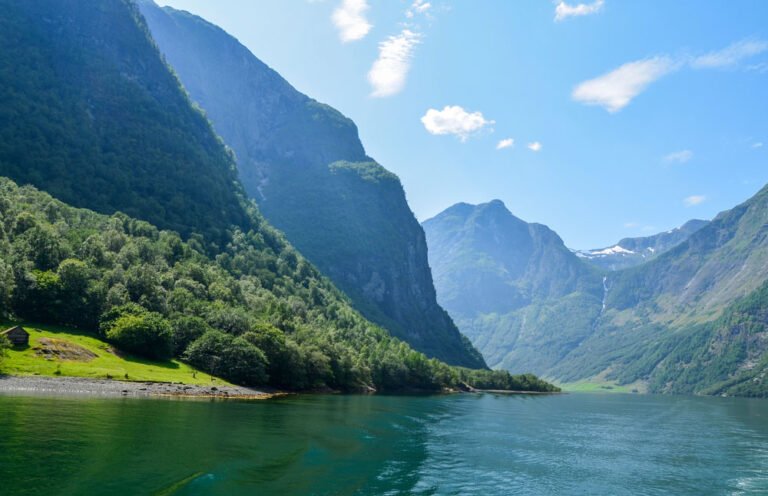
(62, 352)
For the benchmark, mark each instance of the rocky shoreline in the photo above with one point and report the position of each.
(101, 387)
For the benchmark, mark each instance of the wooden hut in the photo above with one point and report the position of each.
(17, 336)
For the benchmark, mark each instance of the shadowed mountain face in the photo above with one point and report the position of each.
(630, 252)
(690, 320)
(304, 164)
(91, 113)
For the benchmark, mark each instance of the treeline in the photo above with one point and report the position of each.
(256, 314)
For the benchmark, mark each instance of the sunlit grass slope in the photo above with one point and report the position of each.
(58, 351)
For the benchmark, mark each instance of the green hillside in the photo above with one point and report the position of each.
(90, 113)
(58, 351)
(257, 314)
(690, 320)
(305, 165)
(191, 271)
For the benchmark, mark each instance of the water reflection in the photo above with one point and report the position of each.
(371, 445)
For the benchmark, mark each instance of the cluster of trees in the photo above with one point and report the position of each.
(255, 313)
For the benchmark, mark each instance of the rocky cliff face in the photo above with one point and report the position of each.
(303, 162)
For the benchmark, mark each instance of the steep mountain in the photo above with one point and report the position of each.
(304, 164)
(630, 252)
(90, 113)
(509, 285)
(107, 125)
(691, 320)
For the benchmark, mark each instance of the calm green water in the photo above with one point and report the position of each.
(464, 444)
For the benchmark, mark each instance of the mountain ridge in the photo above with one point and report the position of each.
(697, 305)
(305, 165)
(629, 252)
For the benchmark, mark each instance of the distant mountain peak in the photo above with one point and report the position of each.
(630, 252)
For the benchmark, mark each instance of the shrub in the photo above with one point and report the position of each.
(230, 357)
(136, 330)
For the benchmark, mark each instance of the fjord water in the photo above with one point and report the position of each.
(462, 444)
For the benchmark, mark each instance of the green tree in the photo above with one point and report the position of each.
(184, 330)
(230, 357)
(144, 333)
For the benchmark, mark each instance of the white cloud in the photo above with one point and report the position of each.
(759, 144)
(730, 55)
(417, 7)
(349, 18)
(614, 90)
(505, 143)
(694, 200)
(535, 146)
(631, 225)
(454, 120)
(680, 157)
(563, 10)
(388, 73)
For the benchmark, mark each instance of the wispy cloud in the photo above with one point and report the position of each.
(535, 146)
(615, 90)
(758, 144)
(505, 143)
(454, 120)
(564, 10)
(349, 19)
(694, 200)
(388, 73)
(417, 7)
(680, 157)
(730, 55)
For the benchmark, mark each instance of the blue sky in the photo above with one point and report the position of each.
(647, 113)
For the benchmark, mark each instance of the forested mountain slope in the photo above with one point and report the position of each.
(514, 288)
(691, 320)
(91, 113)
(256, 314)
(107, 125)
(304, 164)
